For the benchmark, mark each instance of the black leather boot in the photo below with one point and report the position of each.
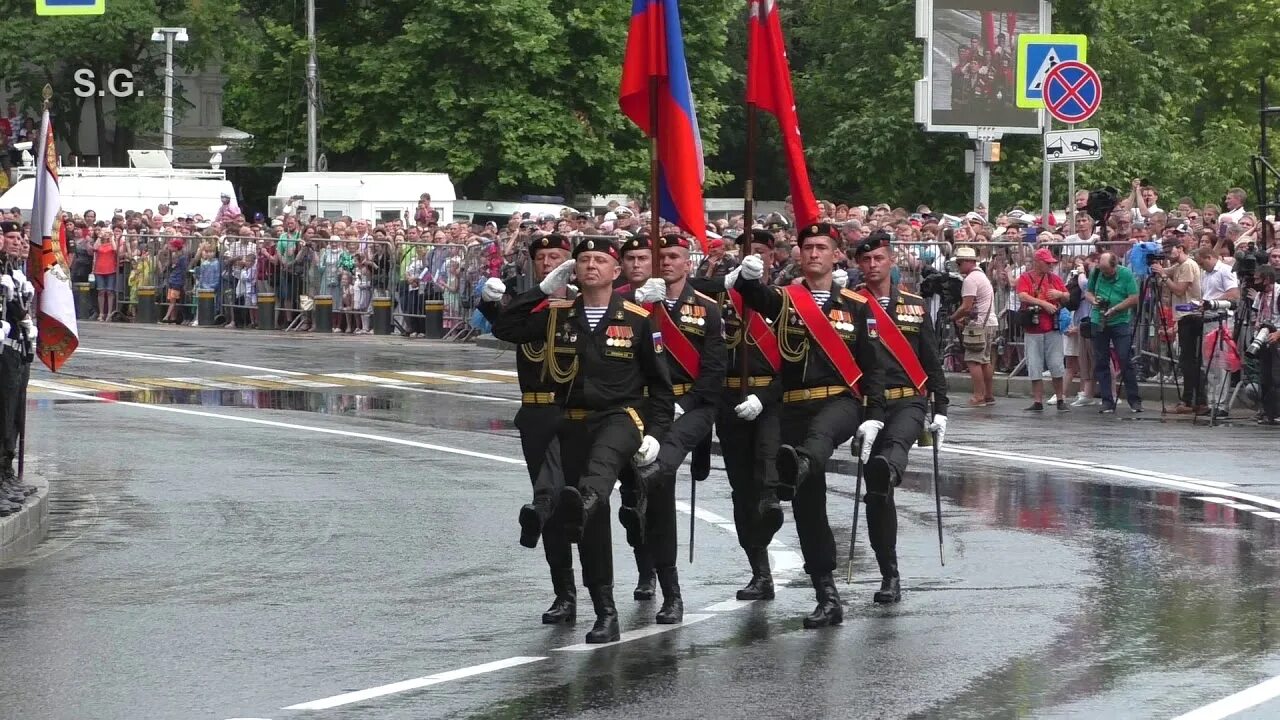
(532, 517)
(7, 508)
(771, 517)
(564, 609)
(605, 629)
(793, 468)
(829, 612)
(879, 474)
(672, 610)
(644, 568)
(700, 461)
(890, 591)
(571, 510)
(761, 585)
(632, 511)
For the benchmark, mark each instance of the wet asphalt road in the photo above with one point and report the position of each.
(263, 548)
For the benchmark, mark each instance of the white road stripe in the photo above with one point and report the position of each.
(784, 561)
(207, 382)
(703, 514)
(57, 387)
(1267, 514)
(1084, 464)
(446, 376)
(1241, 701)
(503, 373)
(371, 379)
(727, 606)
(178, 359)
(414, 684)
(644, 632)
(294, 381)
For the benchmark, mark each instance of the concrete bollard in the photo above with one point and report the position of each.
(434, 311)
(147, 312)
(322, 315)
(205, 302)
(382, 316)
(85, 307)
(266, 311)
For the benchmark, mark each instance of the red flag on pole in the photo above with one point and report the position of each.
(769, 88)
(55, 307)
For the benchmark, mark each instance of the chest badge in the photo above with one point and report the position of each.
(841, 320)
(693, 315)
(619, 336)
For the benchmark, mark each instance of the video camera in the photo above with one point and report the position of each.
(1259, 341)
(1101, 202)
(1246, 266)
(945, 285)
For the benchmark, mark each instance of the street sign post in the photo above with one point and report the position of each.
(71, 7)
(1072, 92)
(1037, 55)
(1081, 145)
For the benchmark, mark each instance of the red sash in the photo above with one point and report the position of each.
(824, 335)
(896, 343)
(677, 344)
(760, 332)
(540, 306)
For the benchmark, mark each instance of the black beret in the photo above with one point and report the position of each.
(637, 242)
(596, 244)
(817, 230)
(877, 239)
(673, 240)
(762, 237)
(553, 241)
(9, 226)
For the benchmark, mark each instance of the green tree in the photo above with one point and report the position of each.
(52, 49)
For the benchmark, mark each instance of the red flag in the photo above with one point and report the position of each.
(769, 88)
(46, 263)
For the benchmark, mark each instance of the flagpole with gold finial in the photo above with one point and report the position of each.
(46, 94)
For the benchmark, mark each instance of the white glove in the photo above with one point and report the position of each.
(30, 326)
(868, 431)
(653, 290)
(6, 283)
(558, 278)
(939, 426)
(648, 452)
(493, 290)
(752, 267)
(732, 278)
(840, 278)
(676, 411)
(4, 330)
(749, 409)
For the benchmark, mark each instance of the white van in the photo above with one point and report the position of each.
(108, 191)
(376, 196)
(479, 212)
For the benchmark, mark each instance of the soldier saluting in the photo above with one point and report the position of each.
(909, 355)
(538, 421)
(17, 350)
(833, 386)
(606, 353)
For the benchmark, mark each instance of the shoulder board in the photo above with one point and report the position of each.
(911, 295)
(859, 287)
(846, 292)
(706, 297)
(628, 305)
(561, 304)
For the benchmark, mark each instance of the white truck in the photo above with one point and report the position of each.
(377, 196)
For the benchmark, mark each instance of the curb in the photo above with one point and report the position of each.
(22, 531)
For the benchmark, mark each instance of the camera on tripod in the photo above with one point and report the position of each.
(1101, 203)
(946, 285)
(1213, 306)
(1259, 341)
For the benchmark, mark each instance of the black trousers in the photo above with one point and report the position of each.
(14, 374)
(686, 432)
(659, 548)
(816, 428)
(750, 450)
(903, 422)
(1269, 373)
(594, 452)
(538, 425)
(1190, 337)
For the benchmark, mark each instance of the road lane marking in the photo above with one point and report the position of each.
(644, 632)
(414, 684)
(1238, 703)
(294, 381)
(703, 514)
(727, 606)
(178, 359)
(462, 379)
(1084, 465)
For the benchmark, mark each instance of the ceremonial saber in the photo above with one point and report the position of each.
(853, 534)
(937, 494)
(693, 508)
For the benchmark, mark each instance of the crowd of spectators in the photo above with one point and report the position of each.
(1052, 295)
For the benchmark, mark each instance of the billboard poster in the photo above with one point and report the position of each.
(970, 63)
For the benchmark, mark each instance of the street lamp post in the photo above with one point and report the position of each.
(168, 35)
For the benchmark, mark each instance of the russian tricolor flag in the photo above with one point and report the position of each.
(655, 53)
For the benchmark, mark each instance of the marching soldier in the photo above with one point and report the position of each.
(17, 350)
(538, 420)
(833, 386)
(605, 352)
(908, 354)
(747, 422)
(691, 331)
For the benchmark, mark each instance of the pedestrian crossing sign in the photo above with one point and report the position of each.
(71, 7)
(1037, 54)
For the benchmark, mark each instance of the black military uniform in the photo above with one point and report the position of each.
(819, 412)
(750, 447)
(651, 523)
(538, 421)
(17, 350)
(605, 371)
(906, 411)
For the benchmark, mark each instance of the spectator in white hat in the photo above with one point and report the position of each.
(978, 323)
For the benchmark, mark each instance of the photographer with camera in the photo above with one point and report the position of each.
(978, 325)
(1042, 294)
(1183, 293)
(1265, 343)
(1220, 289)
(1113, 292)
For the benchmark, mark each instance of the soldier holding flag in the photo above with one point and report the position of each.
(907, 351)
(18, 338)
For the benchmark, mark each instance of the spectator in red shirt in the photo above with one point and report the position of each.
(1042, 294)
